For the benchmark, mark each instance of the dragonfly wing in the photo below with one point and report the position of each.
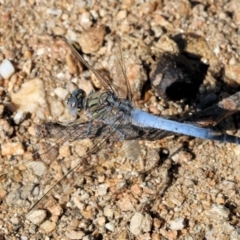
(72, 174)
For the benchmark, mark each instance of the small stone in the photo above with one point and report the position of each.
(232, 73)
(3, 193)
(237, 150)
(140, 223)
(57, 108)
(37, 216)
(125, 204)
(110, 226)
(6, 130)
(178, 224)
(6, 69)
(88, 214)
(86, 20)
(56, 210)
(92, 39)
(136, 190)
(64, 151)
(31, 98)
(48, 226)
(19, 117)
(101, 178)
(218, 213)
(15, 220)
(121, 15)
(74, 67)
(229, 185)
(101, 221)
(71, 234)
(220, 199)
(12, 148)
(12, 198)
(78, 203)
(24, 238)
(155, 236)
(27, 67)
(102, 189)
(108, 212)
(39, 168)
(26, 191)
(58, 31)
(61, 92)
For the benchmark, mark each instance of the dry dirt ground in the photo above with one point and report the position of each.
(173, 188)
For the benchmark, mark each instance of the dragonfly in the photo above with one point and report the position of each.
(108, 108)
(108, 116)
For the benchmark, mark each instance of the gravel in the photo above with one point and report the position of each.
(174, 188)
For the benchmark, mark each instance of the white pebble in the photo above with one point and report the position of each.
(61, 92)
(102, 189)
(140, 223)
(19, 117)
(24, 238)
(178, 223)
(39, 168)
(6, 69)
(37, 216)
(109, 226)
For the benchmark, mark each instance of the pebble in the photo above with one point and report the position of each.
(31, 97)
(38, 167)
(110, 226)
(27, 67)
(101, 221)
(121, 15)
(218, 213)
(140, 223)
(3, 193)
(64, 151)
(19, 117)
(56, 108)
(125, 204)
(12, 148)
(37, 216)
(86, 20)
(48, 226)
(24, 238)
(92, 39)
(6, 130)
(61, 92)
(26, 191)
(12, 198)
(15, 220)
(108, 212)
(102, 189)
(6, 69)
(58, 31)
(178, 224)
(72, 234)
(232, 73)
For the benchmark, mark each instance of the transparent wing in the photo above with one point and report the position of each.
(121, 70)
(106, 83)
(73, 175)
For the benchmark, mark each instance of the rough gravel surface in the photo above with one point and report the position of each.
(174, 188)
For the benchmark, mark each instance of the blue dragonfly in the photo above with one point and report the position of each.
(114, 111)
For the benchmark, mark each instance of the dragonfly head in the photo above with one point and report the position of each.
(75, 102)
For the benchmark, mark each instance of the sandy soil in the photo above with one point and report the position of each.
(172, 188)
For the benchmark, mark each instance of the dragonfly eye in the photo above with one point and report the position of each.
(75, 102)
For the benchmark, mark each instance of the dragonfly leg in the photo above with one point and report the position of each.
(89, 128)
